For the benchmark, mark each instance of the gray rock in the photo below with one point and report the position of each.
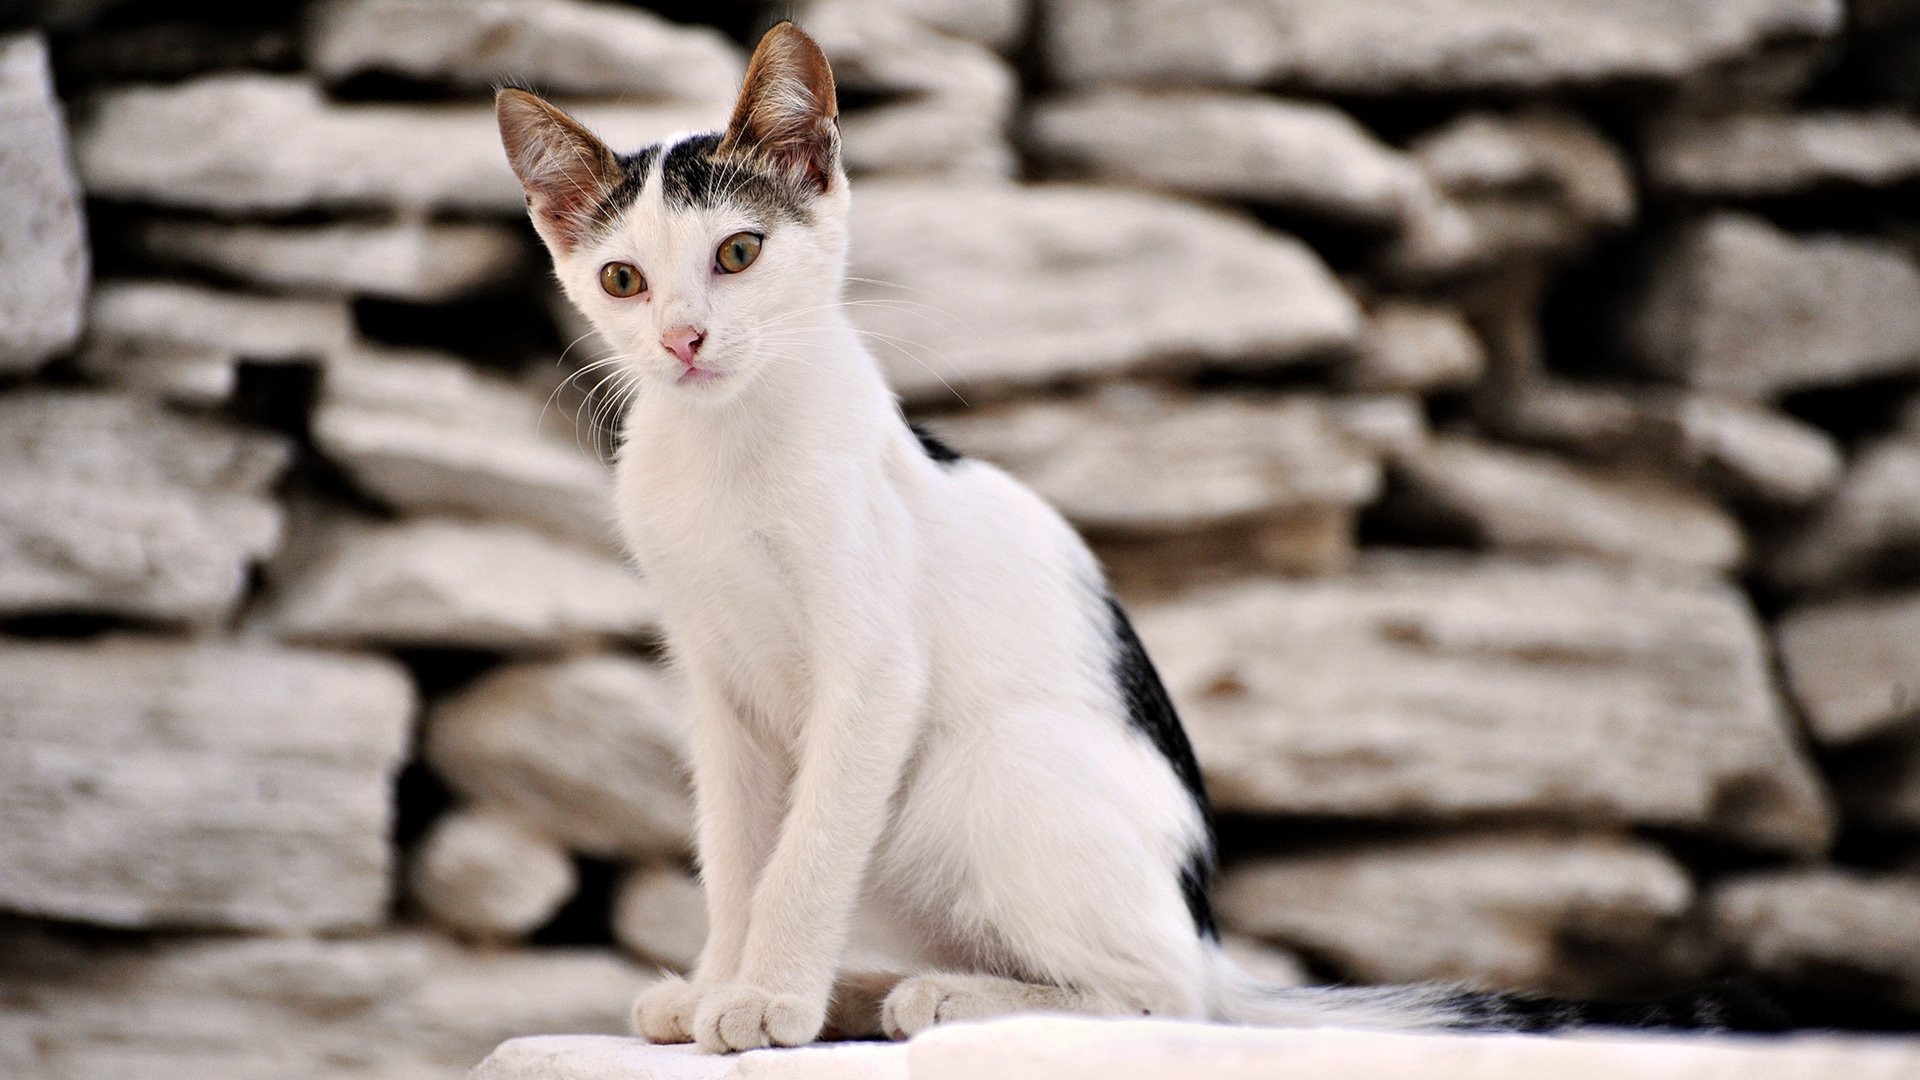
(43, 236)
(156, 783)
(249, 143)
(479, 585)
(185, 342)
(1875, 512)
(994, 285)
(1383, 46)
(1305, 156)
(1443, 687)
(1735, 306)
(115, 506)
(415, 261)
(1491, 910)
(1853, 665)
(587, 751)
(289, 1008)
(487, 877)
(562, 46)
(425, 433)
(1754, 155)
(1411, 345)
(660, 915)
(1816, 925)
(997, 23)
(1529, 502)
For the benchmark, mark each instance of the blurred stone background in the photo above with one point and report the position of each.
(1503, 417)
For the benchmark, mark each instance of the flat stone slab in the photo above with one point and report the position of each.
(43, 235)
(1755, 155)
(1818, 925)
(413, 261)
(1854, 665)
(185, 342)
(1875, 511)
(149, 782)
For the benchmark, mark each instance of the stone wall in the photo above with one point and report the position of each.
(1502, 417)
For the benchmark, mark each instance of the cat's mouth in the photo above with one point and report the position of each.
(694, 373)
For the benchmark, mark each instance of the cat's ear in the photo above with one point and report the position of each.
(567, 172)
(786, 114)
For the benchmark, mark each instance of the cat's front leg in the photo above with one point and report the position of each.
(737, 798)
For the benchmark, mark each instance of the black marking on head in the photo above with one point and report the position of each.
(634, 170)
(940, 452)
(693, 175)
(1150, 712)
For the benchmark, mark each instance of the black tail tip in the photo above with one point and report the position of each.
(1724, 1005)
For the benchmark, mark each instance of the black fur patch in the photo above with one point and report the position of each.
(1728, 1005)
(634, 170)
(691, 176)
(940, 452)
(1150, 712)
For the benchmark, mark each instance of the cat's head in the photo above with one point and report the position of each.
(697, 259)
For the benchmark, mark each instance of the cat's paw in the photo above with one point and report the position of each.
(925, 1000)
(741, 1016)
(663, 1013)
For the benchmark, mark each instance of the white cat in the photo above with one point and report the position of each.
(913, 691)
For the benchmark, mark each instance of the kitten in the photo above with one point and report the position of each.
(914, 694)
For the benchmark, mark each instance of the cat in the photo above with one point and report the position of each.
(914, 694)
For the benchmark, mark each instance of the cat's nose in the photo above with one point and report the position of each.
(683, 341)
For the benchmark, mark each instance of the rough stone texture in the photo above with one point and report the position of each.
(1339, 46)
(426, 433)
(1032, 285)
(184, 342)
(1535, 502)
(1875, 512)
(660, 915)
(152, 783)
(485, 876)
(414, 261)
(1494, 910)
(115, 506)
(248, 143)
(1854, 665)
(43, 237)
(587, 751)
(562, 46)
(387, 1007)
(1807, 926)
(1755, 155)
(1736, 306)
(1302, 155)
(1410, 345)
(950, 100)
(1439, 687)
(484, 585)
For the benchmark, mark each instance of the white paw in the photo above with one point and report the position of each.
(741, 1016)
(663, 1013)
(925, 1000)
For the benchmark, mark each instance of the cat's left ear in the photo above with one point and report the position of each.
(567, 172)
(787, 115)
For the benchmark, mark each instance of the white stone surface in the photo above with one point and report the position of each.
(1853, 665)
(251, 143)
(587, 750)
(425, 433)
(414, 261)
(1411, 345)
(1380, 46)
(1303, 155)
(392, 1006)
(484, 585)
(660, 915)
(487, 877)
(561, 46)
(1737, 306)
(1875, 510)
(185, 342)
(996, 285)
(43, 235)
(1753, 155)
(1494, 910)
(146, 782)
(1527, 502)
(1808, 924)
(116, 506)
(584, 1057)
(1441, 687)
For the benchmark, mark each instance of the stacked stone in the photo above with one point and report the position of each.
(1499, 415)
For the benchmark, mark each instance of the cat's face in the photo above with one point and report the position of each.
(699, 260)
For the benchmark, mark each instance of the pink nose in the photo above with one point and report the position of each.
(683, 342)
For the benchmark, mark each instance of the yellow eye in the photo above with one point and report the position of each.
(622, 280)
(737, 252)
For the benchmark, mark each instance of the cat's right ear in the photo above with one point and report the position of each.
(566, 172)
(787, 114)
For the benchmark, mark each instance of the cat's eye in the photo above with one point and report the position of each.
(622, 280)
(737, 252)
